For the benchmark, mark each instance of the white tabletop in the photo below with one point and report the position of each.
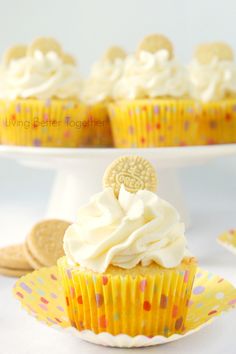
(211, 196)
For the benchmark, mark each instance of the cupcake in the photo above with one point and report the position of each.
(212, 75)
(39, 97)
(97, 93)
(127, 269)
(152, 107)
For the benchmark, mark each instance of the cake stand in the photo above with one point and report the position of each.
(79, 171)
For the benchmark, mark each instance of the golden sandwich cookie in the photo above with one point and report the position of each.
(44, 244)
(13, 261)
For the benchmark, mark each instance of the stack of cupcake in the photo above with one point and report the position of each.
(145, 99)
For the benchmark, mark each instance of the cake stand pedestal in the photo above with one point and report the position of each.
(79, 171)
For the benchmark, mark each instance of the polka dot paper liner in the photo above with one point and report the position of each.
(154, 304)
(216, 122)
(228, 240)
(39, 123)
(99, 127)
(41, 294)
(172, 122)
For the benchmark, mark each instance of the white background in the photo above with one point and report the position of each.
(86, 28)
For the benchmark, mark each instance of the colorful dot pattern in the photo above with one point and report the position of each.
(228, 240)
(99, 127)
(163, 122)
(211, 295)
(54, 123)
(41, 294)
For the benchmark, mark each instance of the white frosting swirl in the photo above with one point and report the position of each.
(135, 228)
(152, 75)
(212, 81)
(104, 75)
(42, 76)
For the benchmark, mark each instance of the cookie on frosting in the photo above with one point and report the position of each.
(14, 53)
(155, 42)
(45, 45)
(205, 53)
(68, 59)
(134, 172)
(114, 53)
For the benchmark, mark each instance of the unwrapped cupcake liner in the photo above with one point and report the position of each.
(151, 305)
(228, 240)
(50, 123)
(42, 295)
(172, 122)
(99, 127)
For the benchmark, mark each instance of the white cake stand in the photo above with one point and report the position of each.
(79, 171)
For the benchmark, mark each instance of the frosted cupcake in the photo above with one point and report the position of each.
(39, 97)
(98, 91)
(212, 74)
(151, 105)
(127, 268)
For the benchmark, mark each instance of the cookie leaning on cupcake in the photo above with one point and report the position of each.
(212, 74)
(40, 96)
(42, 248)
(127, 269)
(98, 91)
(43, 245)
(152, 106)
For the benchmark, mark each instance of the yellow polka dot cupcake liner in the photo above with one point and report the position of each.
(228, 240)
(216, 122)
(150, 305)
(100, 134)
(50, 123)
(169, 122)
(41, 294)
(153, 123)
